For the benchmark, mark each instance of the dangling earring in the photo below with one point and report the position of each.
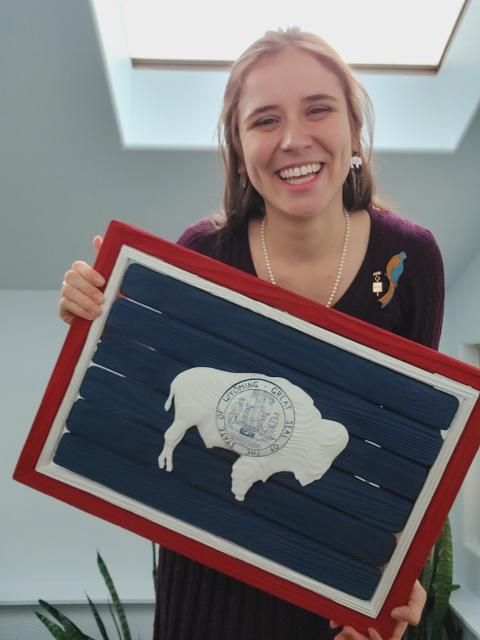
(243, 180)
(353, 185)
(356, 162)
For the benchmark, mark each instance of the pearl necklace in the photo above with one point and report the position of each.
(340, 265)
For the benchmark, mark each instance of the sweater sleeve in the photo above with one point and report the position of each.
(425, 295)
(196, 233)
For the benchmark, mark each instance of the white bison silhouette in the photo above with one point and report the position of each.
(270, 422)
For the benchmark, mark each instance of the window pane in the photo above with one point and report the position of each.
(366, 32)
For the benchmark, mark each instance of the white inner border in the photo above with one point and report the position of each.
(465, 395)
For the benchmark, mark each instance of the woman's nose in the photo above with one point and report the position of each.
(295, 136)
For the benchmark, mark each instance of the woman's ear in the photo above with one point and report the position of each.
(356, 145)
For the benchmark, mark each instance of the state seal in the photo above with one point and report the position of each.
(255, 417)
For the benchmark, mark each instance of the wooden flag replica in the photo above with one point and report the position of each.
(199, 381)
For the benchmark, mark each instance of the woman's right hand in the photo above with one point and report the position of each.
(80, 294)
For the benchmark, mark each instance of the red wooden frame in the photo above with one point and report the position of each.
(119, 234)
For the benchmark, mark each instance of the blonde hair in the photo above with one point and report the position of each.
(242, 201)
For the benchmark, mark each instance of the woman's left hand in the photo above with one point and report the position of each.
(408, 614)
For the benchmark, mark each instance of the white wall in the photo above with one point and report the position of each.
(20, 623)
(47, 548)
(463, 342)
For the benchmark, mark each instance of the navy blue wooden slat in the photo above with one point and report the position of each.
(172, 496)
(135, 361)
(267, 337)
(126, 397)
(146, 405)
(396, 433)
(364, 419)
(201, 468)
(365, 460)
(341, 490)
(371, 504)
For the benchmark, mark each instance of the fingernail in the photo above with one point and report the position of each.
(98, 298)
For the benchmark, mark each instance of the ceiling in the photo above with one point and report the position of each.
(64, 172)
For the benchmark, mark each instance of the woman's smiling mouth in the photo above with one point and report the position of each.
(301, 174)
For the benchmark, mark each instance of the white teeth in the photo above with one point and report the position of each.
(302, 179)
(303, 170)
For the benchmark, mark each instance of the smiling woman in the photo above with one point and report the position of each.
(299, 211)
(294, 132)
(246, 89)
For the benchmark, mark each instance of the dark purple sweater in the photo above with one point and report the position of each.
(198, 603)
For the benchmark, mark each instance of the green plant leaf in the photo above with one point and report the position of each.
(98, 619)
(436, 578)
(55, 613)
(443, 580)
(419, 632)
(154, 558)
(71, 629)
(114, 618)
(453, 628)
(155, 566)
(56, 631)
(426, 577)
(117, 605)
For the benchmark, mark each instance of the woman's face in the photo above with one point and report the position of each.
(295, 134)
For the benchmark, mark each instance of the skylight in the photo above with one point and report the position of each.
(367, 33)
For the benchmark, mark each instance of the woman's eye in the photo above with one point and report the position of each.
(265, 122)
(319, 110)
